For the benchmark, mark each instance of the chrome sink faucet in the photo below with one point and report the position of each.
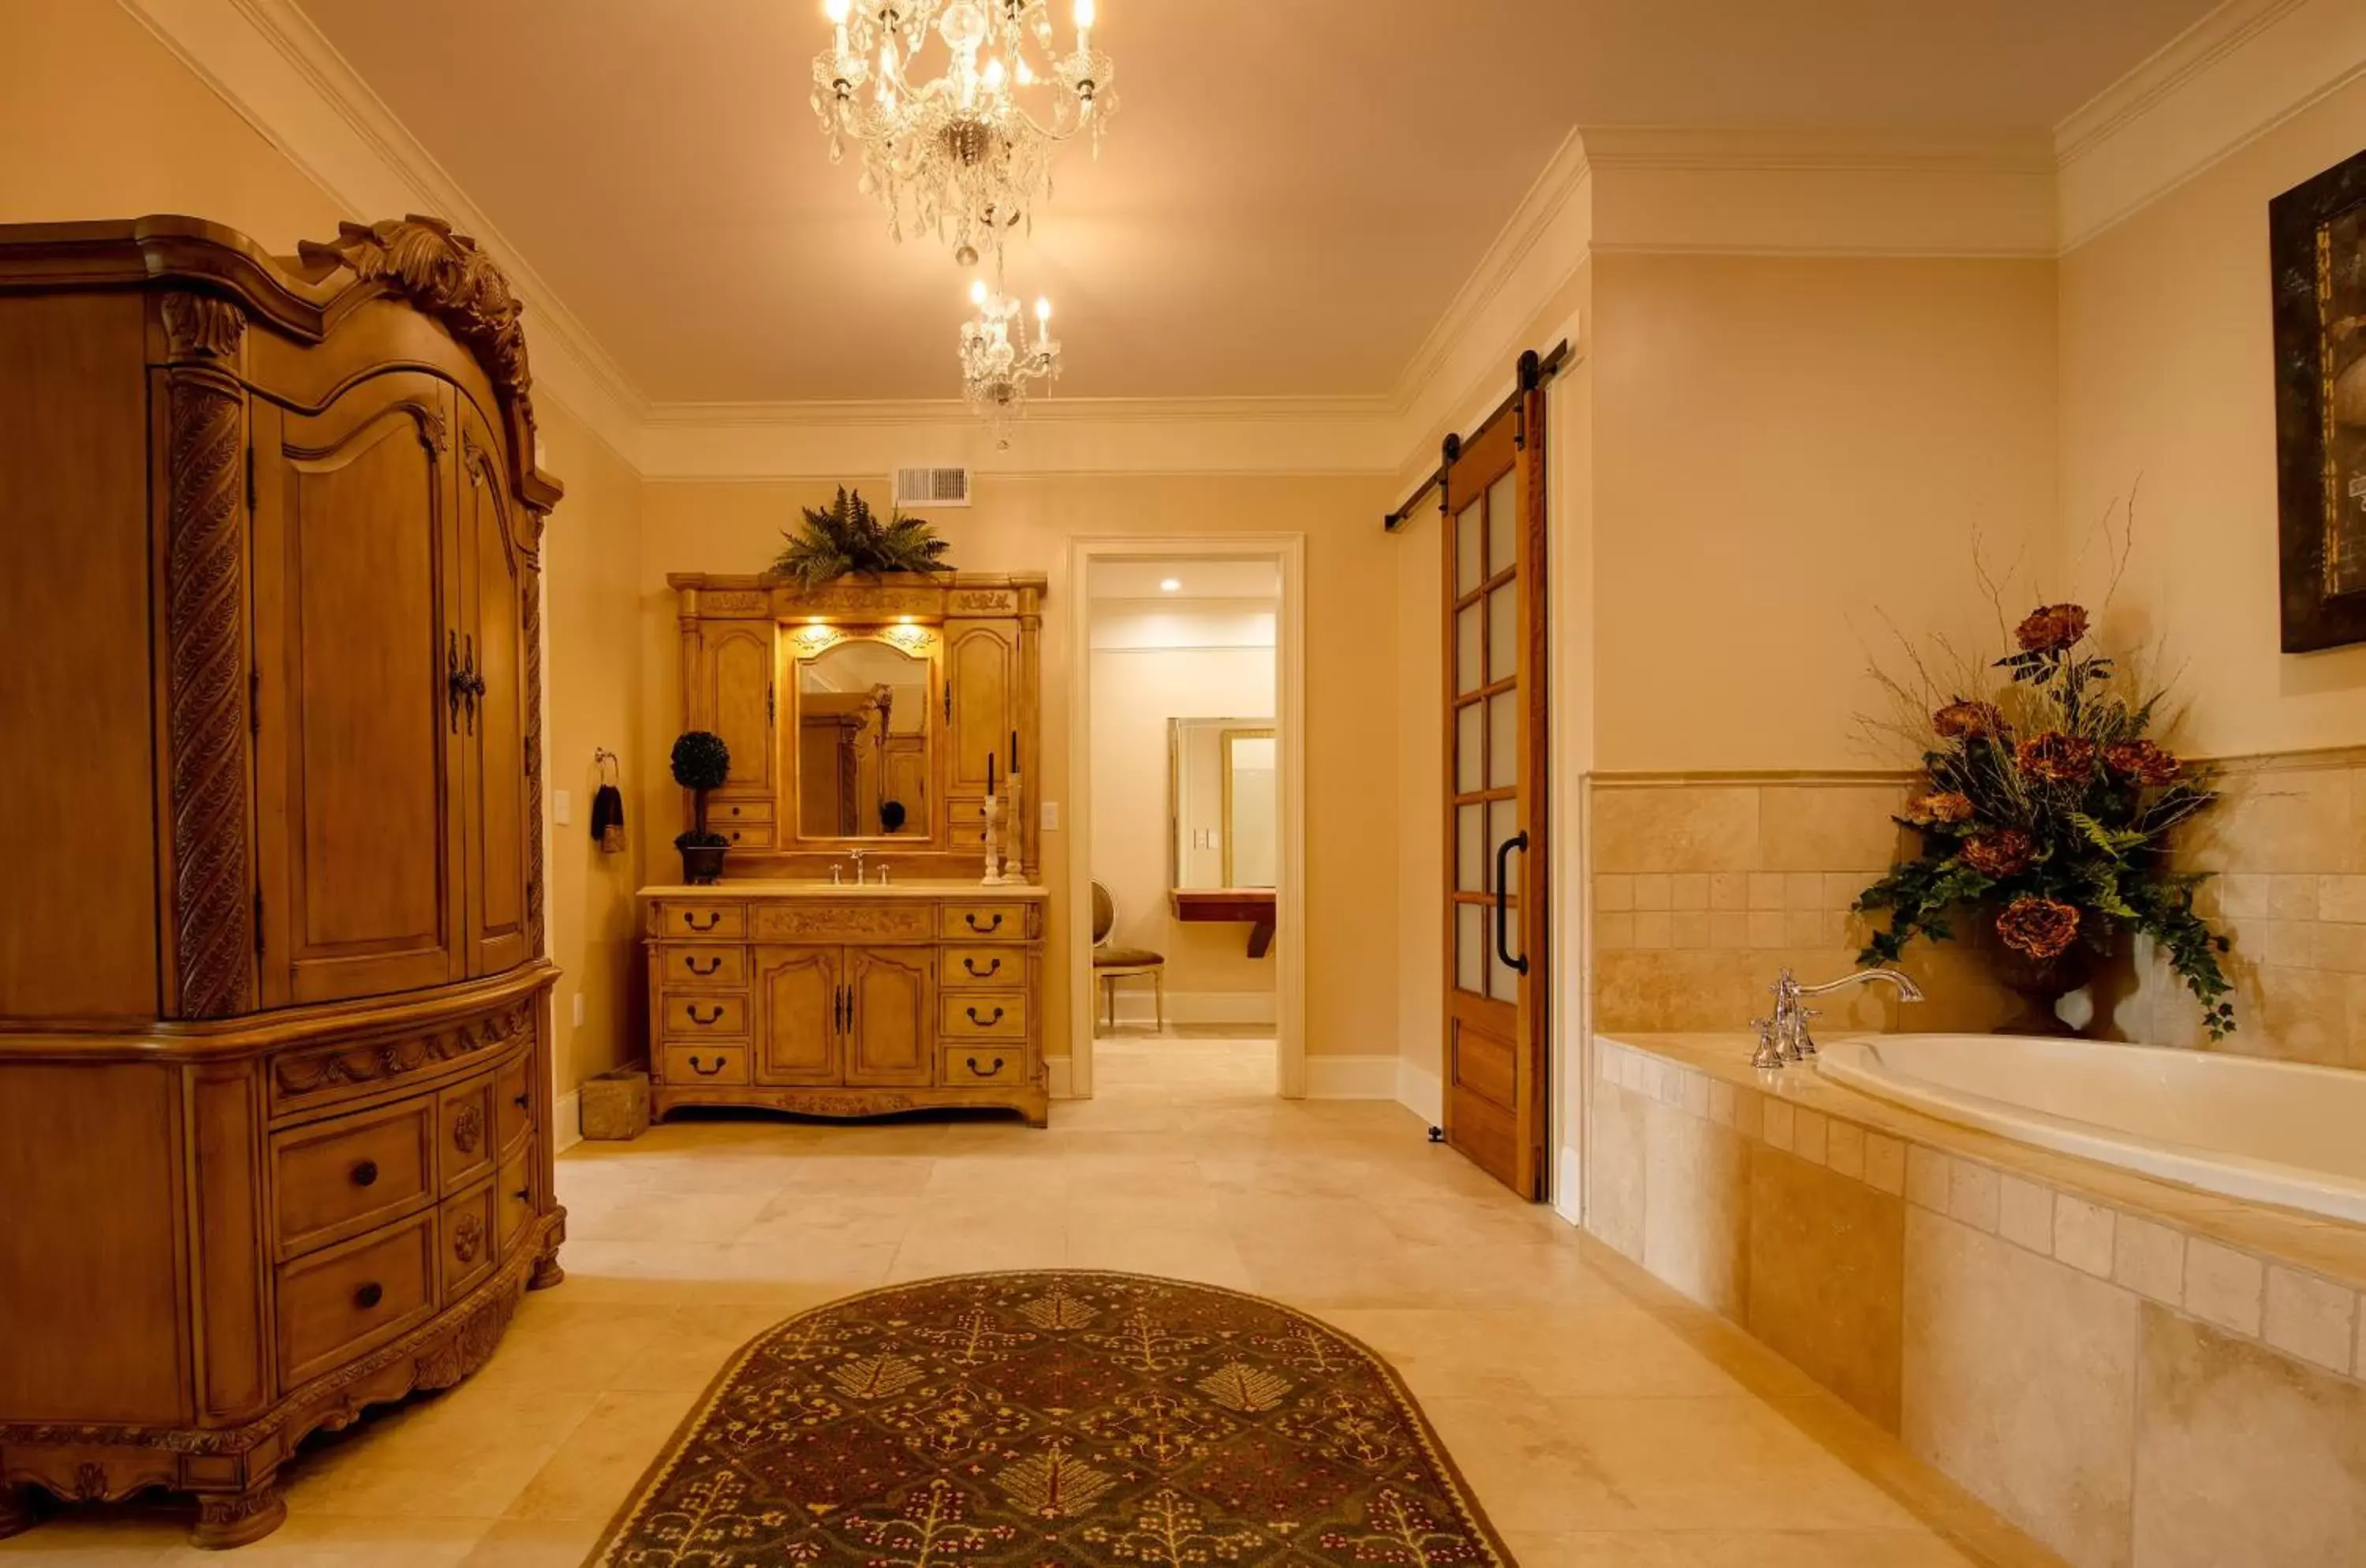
(1785, 1037)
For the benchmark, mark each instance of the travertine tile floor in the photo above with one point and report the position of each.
(1601, 1420)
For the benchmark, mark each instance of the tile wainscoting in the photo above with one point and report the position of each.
(2139, 1375)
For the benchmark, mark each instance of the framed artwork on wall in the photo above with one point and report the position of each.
(2318, 246)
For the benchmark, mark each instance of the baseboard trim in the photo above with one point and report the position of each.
(567, 1119)
(1137, 1006)
(1419, 1090)
(1060, 1077)
(1351, 1077)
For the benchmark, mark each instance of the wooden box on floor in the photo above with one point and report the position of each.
(616, 1104)
(275, 1053)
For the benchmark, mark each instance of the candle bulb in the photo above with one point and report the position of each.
(1014, 752)
(989, 775)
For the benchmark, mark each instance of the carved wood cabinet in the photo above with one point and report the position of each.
(274, 1045)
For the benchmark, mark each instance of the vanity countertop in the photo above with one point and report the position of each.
(918, 887)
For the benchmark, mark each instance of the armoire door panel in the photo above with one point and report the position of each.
(892, 1033)
(357, 586)
(800, 1009)
(739, 686)
(981, 668)
(493, 723)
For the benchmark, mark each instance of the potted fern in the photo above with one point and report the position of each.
(700, 762)
(848, 537)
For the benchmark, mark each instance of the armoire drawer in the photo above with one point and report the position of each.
(339, 1303)
(747, 835)
(984, 923)
(726, 815)
(986, 1065)
(984, 1015)
(514, 1200)
(701, 921)
(514, 1093)
(683, 968)
(467, 1136)
(689, 1065)
(341, 1177)
(967, 968)
(701, 1015)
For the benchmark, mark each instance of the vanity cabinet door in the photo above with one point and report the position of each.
(800, 1008)
(981, 668)
(495, 816)
(892, 1035)
(358, 591)
(735, 687)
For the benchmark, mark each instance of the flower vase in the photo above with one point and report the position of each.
(2041, 984)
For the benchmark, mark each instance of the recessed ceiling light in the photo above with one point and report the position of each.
(1171, 585)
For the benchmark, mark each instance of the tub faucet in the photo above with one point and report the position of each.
(1791, 1013)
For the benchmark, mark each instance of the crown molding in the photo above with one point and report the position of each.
(2232, 77)
(274, 69)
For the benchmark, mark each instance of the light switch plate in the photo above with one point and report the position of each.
(1051, 817)
(562, 807)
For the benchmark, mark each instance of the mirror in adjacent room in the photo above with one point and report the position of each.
(1225, 802)
(863, 750)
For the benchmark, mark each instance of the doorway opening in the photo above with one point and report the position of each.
(1186, 946)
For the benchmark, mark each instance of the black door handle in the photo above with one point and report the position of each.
(983, 1023)
(986, 1072)
(689, 1010)
(456, 683)
(1502, 908)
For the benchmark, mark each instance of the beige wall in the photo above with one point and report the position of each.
(1026, 523)
(105, 123)
(2168, 395)
(1136, 690)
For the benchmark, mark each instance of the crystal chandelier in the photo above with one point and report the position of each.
(997, 364)
(962, 149)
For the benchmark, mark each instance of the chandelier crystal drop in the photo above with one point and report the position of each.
(967, 151)
(998, 362)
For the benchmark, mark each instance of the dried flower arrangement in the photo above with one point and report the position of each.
(2048, 810)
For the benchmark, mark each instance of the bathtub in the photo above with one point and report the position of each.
(2267, 1132)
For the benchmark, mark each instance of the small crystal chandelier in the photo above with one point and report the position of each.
(962, 151)
(997, 365)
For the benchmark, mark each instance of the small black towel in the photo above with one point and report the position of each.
(608, 818)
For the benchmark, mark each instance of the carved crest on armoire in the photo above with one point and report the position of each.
(274, 1050)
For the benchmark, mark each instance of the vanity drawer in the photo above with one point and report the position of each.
(747, 835)
(725, 815)
(513, 1098)
(338, 1178)
(966, 968)
(514, 1200)
(688, 1064)
(984, 923)
(985, 1015)
(468, 1136)
(680, 967)
(981, 1065)
(335, 1305)
(465, 1236)
(696, 1015)
(695, 921)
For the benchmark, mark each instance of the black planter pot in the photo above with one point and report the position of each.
(702, 864)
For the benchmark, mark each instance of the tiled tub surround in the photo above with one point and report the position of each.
(2138, 1374)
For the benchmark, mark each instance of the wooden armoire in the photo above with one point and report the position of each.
(275, 1057)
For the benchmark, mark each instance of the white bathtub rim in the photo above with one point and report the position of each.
(2217, 1172)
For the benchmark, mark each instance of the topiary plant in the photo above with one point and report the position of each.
(700, 762)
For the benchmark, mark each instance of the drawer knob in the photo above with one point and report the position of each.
(705, 1072)
(691, 1012)
(365, 1173)
(523, 1194)
(711, 966)
(990, 927)
(520, 1099)
(690, 919)
(369, 1295)
(993, 1071)
(993, 967)
(467, 1128)
(983, 1023)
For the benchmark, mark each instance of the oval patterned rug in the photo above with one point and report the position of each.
(1053, 1417)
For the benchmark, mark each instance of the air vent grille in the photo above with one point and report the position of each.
(932, 487)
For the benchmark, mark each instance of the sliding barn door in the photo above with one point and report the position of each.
(1497, 980)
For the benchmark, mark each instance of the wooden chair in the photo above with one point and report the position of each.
(1111, 963)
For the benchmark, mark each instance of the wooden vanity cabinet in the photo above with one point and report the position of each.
(274, 1049)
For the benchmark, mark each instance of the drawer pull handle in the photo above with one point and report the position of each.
(520, 1099)
(706, 1072)
(983, 1023)
(369, 1295)
(987, 929)
(712, 966)
(523, 1194)
(993, 1071)
(365, 1173)
(993, 967)
(689, 1010)
(713, 919)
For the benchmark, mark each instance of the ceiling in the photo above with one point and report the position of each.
(1290, 194)
(1200, 577)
